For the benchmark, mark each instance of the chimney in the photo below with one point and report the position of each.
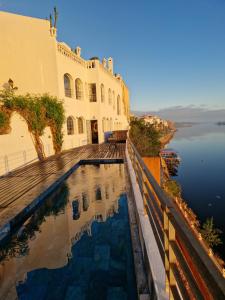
(104, 63)
(118, 76)
(78, 51)
(110, 65)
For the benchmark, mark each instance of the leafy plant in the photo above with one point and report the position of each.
(39, 111)
(211, 234)
(54, 114)
(145, 137)
(3, 119)
(173, 188)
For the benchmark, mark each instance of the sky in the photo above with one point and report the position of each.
(171, 53)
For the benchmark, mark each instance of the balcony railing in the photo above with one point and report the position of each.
(68, 92)
(92, 97)
(191, 273)
(70, 54)
(79, 95)
(20, 159)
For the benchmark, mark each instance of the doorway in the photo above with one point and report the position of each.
(94, 131)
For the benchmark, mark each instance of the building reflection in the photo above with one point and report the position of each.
(46, 238)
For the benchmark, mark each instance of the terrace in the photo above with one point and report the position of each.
(170, 262)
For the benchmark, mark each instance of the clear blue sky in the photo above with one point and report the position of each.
(170, 52)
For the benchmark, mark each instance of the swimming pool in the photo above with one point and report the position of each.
(77, 243)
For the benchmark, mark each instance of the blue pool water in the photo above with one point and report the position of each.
(77, 244)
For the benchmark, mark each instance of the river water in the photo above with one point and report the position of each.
(201, 172)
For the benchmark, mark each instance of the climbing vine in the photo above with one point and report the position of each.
(4, 121)
(39, 111)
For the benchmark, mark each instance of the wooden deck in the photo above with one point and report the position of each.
(20, 188)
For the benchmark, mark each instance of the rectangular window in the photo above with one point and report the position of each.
(92, 92)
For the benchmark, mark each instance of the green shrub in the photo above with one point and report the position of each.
(39, 111)
(211, 234)
(144, 137)
(173, 188)
(3, 119)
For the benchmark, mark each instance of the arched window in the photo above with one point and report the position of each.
(118, 105)
(85, 201)
(80, 125)
(110, 96)
(79, 89)
(67, 85)
(102, 93)
(114, 101)
(70, 126)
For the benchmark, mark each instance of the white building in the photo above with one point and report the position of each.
(95, 99)
(156, 121)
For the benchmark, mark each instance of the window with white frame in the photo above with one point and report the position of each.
(80, 125)
(92, 92)
(68, 85)
(78, 89)
(70, 125)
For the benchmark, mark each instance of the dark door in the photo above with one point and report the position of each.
(94, 131)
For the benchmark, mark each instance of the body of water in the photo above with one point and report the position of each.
(76, 245)
(201, 172)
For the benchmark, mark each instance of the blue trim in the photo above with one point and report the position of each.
(101, 161)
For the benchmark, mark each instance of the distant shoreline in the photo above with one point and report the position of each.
(221, 123)
(167, 138)
(184, 124)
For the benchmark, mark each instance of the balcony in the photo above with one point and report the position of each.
(68, 92)
(92, 97)
(79, 95)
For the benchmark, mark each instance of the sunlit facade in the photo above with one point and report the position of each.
(95, 99)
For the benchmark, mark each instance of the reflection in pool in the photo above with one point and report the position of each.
(76, 245)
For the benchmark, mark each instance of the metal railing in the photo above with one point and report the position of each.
(92, 97)
(191, 273)
(15, 160)
(79, 94)
(68, 92)
(90, 64)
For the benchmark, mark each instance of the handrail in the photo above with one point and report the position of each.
(16, 160)
(186, 259)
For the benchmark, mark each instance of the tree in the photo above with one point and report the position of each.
(144, 137)
(211, 234)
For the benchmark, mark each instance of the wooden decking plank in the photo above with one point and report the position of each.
(16, 193)
(17, 184)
